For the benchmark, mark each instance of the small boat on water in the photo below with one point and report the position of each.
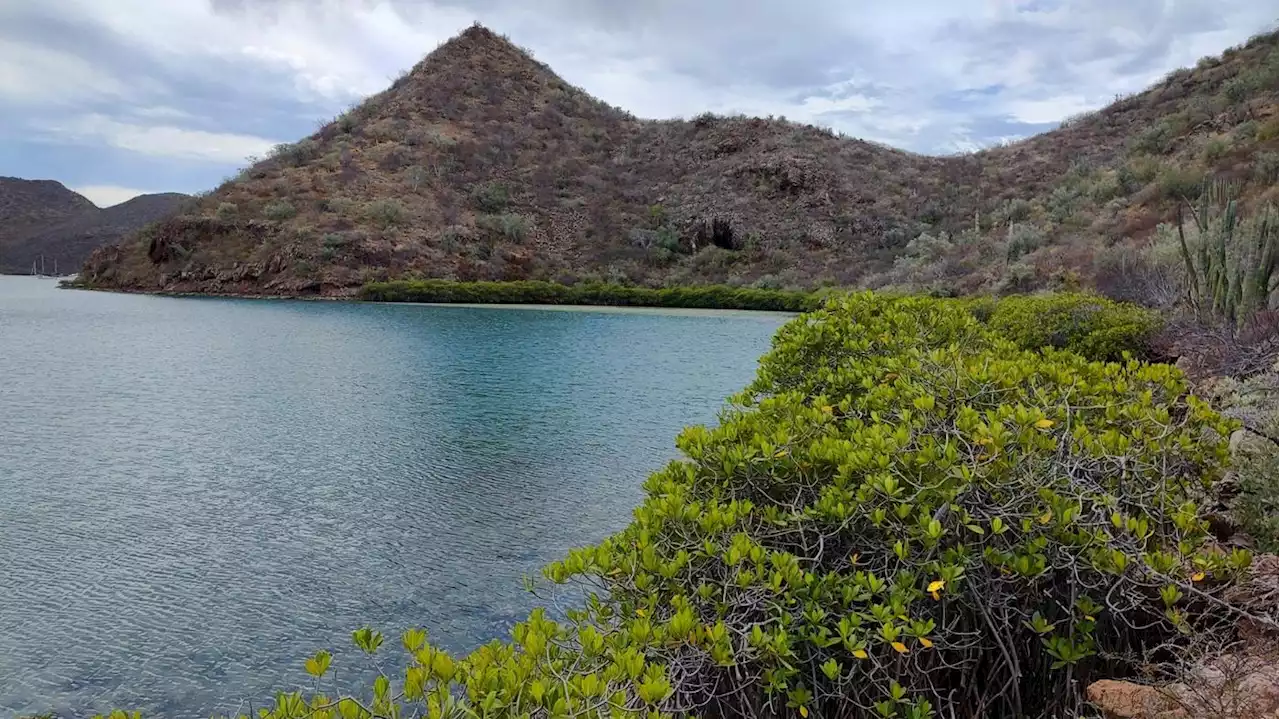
(41, 272)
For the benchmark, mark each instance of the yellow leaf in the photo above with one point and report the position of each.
(1198, 576)
(1044, 423)
(639, 611)
(899, 647)
(780, 453)
(937, 584)
(936, 596)
(1088, 617)
(1044, 518)
(859, 653)
(827, 408)
(804, 712)
(927, 642)
(853, 558)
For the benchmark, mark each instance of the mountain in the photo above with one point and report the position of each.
(481, 163)
(44, 218)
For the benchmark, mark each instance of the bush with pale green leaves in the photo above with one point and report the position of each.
(905, 515)
(1091, 325)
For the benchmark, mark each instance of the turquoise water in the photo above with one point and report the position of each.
(196, 494)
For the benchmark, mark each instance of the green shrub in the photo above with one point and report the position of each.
(1021, 239)
(1266, 165)
(416, 177)
(386, 213)
(596, 292)
(1093, 326)
(491, 197)
(226, 211)
(1216, 148)
(1155, 140)
(278, 210)
(296, 154)
(509, 226)
(1255, 458)
(1255, 506)
(1178, 183)
(1268, 132)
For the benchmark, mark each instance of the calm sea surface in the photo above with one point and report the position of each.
(196, 494)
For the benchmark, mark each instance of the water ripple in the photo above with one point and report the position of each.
(195, 494)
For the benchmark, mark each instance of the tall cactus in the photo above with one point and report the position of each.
(1225, 280)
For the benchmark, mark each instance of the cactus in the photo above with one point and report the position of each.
(1227, 276)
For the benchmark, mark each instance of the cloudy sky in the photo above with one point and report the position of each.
(119, 97)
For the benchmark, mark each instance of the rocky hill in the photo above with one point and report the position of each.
(481, 163)
(44, 218)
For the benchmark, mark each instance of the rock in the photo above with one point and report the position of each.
(1236, 438)
(1126, 700)
(1232, 686)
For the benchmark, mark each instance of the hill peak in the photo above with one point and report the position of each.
(481, 163)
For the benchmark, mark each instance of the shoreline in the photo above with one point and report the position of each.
(469, 289)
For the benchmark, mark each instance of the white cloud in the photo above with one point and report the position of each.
(161, 140)
(33, 75)
(108, 195)
(334, 51)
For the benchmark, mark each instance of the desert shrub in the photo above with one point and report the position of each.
(1015, 210)
(508, 225)
(1093, 326)
(335, 240)
(491, 197)
(767, 282)
(1020, 276)
(1255, 506)
(1216, 148)
(669, 239)
(1266, 165)
(1151, 274)
(297, 153)
(278, 210)
(1155, 140)
(386, 213)
(1021, 239)
(416, 177)
(922, 260)
(226, 211)
(1268, 132)
(1252, 402)
(1177, 183)
(1251, 82)
(1066, 201)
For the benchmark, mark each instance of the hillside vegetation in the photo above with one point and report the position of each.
(43, 218)
(481, 164)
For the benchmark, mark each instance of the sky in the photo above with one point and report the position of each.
(116, 98)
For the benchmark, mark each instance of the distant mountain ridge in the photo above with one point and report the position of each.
(481, 164)
(42, 218)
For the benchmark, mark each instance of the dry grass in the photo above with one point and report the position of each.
(587, 191)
